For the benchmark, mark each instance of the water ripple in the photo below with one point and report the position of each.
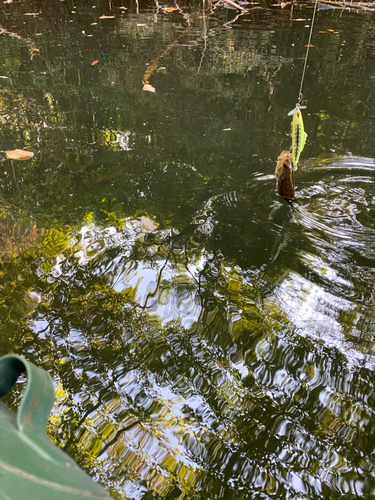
(327, 292)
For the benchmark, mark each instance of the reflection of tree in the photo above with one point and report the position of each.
(174, 375)
(223, 400)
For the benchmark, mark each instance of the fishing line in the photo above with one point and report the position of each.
(307, 53)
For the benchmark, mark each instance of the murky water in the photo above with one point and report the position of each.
(230, 353)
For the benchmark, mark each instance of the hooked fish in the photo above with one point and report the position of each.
(284, 175)
(298, 134)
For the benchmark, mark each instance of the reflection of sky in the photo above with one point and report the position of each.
(316, 312)
(167, 287)
(173, 301)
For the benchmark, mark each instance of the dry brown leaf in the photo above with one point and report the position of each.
(19, 154)
(148, 223)
(148, 88)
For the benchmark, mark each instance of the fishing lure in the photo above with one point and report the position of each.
(298, 134)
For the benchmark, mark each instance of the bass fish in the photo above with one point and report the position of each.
(298, 134)
(284, 175)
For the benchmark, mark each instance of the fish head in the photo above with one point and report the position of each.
(284, 167)
(284, 175)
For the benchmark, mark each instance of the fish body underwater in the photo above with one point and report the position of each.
(284, 175)
(298, 136)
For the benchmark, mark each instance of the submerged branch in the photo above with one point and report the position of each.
(155, 62)
(233, 4)
(351, 5)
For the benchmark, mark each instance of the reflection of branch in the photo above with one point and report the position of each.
(185, 15)
(184, 234)
(198, 282)
(159, 277)
(15, 179)
(204, 37)
(29, 43)
(234, 19)
(157, 11)
(118, 434)
(26, 40)
(92, 408)
(155, 62)
(203, 272)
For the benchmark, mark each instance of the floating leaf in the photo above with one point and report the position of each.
(148, 223)
(19, 154)
(94, 62)
(148, 87)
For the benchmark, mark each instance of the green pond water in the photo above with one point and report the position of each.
(231, 353)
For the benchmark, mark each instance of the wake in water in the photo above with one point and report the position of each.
(327, 288)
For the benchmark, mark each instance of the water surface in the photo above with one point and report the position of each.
(230, 353)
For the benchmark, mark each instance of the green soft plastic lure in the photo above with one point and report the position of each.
(298, 134)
